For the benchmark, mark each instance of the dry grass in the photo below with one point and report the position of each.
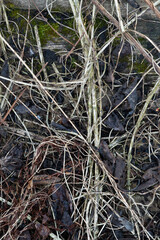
(98, 206)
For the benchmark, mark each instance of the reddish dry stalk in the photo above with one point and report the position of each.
(154, 9)
(45, 20)
(8, 112)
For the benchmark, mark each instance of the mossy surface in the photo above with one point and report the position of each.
(46, 31)
(140, 67)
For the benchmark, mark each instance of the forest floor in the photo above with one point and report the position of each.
(79, 126)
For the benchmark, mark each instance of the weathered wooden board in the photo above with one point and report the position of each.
(126, 5)
(41, 4)
(148, 23)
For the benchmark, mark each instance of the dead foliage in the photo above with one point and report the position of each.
(79, 125)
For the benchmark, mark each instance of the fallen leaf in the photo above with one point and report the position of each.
(151, 182)
(4, 73)
(133, 97)
(126, 224)
(114, 122)
(149, 173)
(119, 168)
(123, 49)
(123, 92)
(25, 236)
(42, 230)
(133, 3)
(107, 156)
(61, 204)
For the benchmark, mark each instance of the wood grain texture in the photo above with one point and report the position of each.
(64, 5)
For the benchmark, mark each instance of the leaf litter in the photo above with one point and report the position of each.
(49, 186)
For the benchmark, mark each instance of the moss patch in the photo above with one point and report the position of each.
(141, 67)
(46, 32)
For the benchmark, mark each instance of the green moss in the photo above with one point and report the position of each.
(138, 66)
(70, 23)
(73, 62)
(10, 5)
(100, 23)
(116, 42)
(46, 32)
(14, 14)
(141, 67)
(125, 59)
(142, 40)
